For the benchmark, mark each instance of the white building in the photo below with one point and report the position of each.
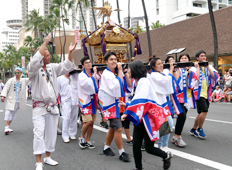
(171, 11)
(11, 33)
(134, 22)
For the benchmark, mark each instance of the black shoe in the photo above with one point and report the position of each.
(124, 157)
(82, 143)
(130, 142)
(108, 152)
(104, 125)
(167, 161)
(143, 146)
(89, 145)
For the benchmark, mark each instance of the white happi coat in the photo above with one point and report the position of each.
(162, 85)
(111, 88)
(9, 91)
(87, 87)
(41, 90)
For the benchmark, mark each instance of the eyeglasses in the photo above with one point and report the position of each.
(87, 63)
(17, 72)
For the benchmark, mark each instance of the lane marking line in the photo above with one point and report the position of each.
(29, 105)
(184, 155)
(1, 110)
(212, 120)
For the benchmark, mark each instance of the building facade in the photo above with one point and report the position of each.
(11, 33)
(172, 11)
(134, 22)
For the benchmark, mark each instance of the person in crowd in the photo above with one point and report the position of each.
(67, 89)
(216, 94)
(14, 96)
(185, 81)
(1, 86)
(87, 90)
(229, 80)
(111, 88)
(207, 79)
(229, 94)
(226, 75)
(45, 114)
(140, 110)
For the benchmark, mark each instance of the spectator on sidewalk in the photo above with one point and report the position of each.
(217, 94)
(229, 80)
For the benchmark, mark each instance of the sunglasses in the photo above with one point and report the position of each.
(17, 72)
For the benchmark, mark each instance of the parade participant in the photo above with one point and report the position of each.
(14, 93)
(207, 79)
(185, 82)
(43, 76)
(111, 88)
(87, 90)
(141, 111)
(163, 86)
(1, 86)
(67, 89)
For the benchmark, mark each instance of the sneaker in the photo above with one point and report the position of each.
(50, 161)
(10, 130)
(59, 132)
(89, 145)
(6, 131)
(178, 142)
(201, 133)
(143, 146)
(194, 132)
(66, 141)
(124, 157)
(108, 152)
(166, 149)
(82, 143)
(167, 161)
(130, 142)
(39, 166)
(104, 125)
(73, 138)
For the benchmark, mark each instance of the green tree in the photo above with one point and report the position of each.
(156, 25)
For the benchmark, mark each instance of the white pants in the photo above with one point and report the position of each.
(11, 115)
(45, 133)
(69, 115)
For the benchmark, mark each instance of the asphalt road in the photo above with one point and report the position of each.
(212, 153)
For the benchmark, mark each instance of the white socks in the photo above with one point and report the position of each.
(121, 151)
(106, 147)
(7, 127)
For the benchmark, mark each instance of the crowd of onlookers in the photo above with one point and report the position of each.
(223, 92)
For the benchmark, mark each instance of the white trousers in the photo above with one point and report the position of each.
(11, 115)
(45, 133)
(69, 115)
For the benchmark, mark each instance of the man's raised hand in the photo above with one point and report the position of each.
(72, 47)
(47, 39)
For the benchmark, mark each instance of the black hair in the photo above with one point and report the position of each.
(184, 54)
(107, 55)
(199, 52)
(153, 62)
(84, 59)
(167, 59)
(138, 70)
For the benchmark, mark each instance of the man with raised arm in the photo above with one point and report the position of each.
(43, 77)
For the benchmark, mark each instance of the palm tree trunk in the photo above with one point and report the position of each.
(61, 53)
(64, 35)
(119, 20)
(86, 31)
(94, 19)
(147, 29)
(103, 18)
(215, 40)
(130, 45)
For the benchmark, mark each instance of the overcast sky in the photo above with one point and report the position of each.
(11, 9)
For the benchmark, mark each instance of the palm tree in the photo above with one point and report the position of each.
(83, 20)
(156, 25)
(32, 22)
(215, 40)
(130, 46)
(103, 3)
(119, 20)
(147, 29)
(94, 18)
(64, 6)
(28, 42)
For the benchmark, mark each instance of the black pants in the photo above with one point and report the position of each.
(138, 135)
(181, 120)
